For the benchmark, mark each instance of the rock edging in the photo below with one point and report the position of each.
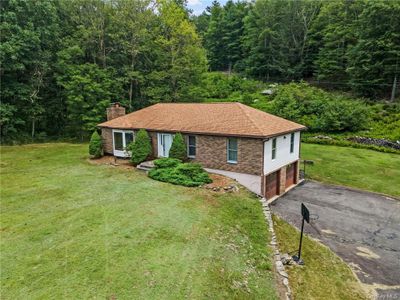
(283, 276)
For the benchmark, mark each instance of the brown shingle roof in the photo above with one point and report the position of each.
(223, 118)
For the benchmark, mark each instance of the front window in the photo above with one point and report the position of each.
(292, 143)
(232, 150)
(128, 138)
(118, 141)
(191, 146)
(274, 148)
(122, 139)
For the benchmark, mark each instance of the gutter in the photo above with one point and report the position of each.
(264, 137)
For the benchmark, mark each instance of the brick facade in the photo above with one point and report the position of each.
(106, 136)
(154, 145)
(211, 152)
(282, 180)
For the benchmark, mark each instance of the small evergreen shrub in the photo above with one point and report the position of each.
(166, 162)
(140, 148)
(96, 145)
(178, 148)
(175, 172)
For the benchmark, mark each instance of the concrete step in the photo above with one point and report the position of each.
(146, 165)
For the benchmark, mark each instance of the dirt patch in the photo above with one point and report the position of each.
(221, 184)
(112, 161)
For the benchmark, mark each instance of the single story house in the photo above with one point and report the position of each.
(226, 138)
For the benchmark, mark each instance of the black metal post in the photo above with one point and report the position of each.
(301, 240)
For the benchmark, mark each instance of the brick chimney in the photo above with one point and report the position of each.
(115, 111)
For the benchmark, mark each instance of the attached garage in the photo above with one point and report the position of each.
(290, 175)
(272, 185)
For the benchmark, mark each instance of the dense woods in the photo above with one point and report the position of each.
(64, 61)
(350, 45)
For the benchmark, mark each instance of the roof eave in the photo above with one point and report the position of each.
(208, 133)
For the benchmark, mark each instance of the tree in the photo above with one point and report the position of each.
(374, 60)
(178, 148)
(96, 145)
(213, 38)
(131, 33)
(89, 90)
(333, 34)
(180, 60)
(276, 38)
(140, 147)
(30, 34)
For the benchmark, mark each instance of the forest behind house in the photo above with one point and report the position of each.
(331, 65)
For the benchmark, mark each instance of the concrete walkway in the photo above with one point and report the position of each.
(251, 182)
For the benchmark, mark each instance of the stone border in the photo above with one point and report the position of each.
(283, 276)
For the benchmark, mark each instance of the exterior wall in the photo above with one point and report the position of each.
(282, 180)
(283, 155)
(154, 143)
(211, 152)
(106, 136)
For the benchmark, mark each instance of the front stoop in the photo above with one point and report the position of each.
(146, 165)
(280, 268)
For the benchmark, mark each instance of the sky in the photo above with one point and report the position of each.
(198, 6)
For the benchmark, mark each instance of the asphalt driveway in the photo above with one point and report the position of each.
(361, 227)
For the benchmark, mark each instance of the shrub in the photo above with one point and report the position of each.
(186, 174)
(166, 162)
(319, 110)
(178, 148)
(140, 148)
(96, 145)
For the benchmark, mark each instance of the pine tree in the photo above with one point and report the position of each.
(374, 61)
(96, 145)
(140, 148)
(178, 148)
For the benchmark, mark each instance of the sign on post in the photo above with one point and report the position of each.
(305, 213)
(306, 216)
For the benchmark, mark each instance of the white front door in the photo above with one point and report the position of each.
(164, 144)
(121, 139)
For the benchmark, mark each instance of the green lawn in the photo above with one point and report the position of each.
(360, 168)
(324, 275)
(73, 230)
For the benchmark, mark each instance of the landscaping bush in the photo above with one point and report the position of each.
(96, 145)
(167, 162)
(317, 109)
(140, 148)
(218, 85)
(178, 148)
(175, 172)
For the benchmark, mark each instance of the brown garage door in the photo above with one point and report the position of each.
(272, 185)
(290, 173)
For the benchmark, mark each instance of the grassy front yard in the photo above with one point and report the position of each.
(73, 230)
(360, 168)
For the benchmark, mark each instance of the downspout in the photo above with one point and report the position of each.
(262, 170)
